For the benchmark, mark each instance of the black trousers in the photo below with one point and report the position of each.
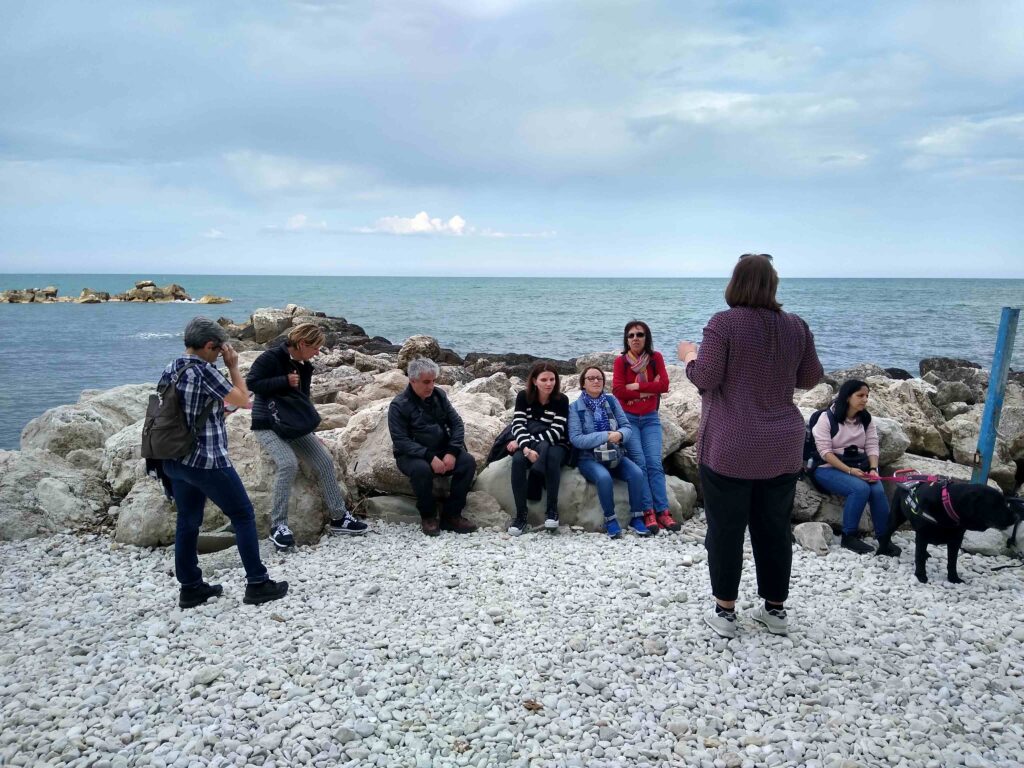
(422, 478)
(766, 506)
(549, 464)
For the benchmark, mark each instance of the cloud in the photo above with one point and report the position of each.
(456, 226)
(972, 146)
(213, 234)
(420, 224)
(297, 224)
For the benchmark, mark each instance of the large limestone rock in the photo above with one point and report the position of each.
(812, 506)
(418, 346)
(577, 499)
(269, 323)
(681, 405)
(863, 371)
(89, 422)
(603, 360)
(817, 537)
(909, 403)
(145, 517)
(42, 494)
(964, 431)
(364, 449)
(307, 513)
(211, 299)
(893, 442)
(926, 465)
(816, 398)
(497, 386)
(123, 465)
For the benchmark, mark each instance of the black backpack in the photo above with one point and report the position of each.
(165, 433)
(812, 459)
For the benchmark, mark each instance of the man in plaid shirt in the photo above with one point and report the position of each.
(207, 473)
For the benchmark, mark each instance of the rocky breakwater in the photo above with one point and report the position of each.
(89, 451)
(144, 291)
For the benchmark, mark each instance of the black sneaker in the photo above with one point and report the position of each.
(519, 526)
(854, 544)
(264, 592)
(888, 550)
(348, 525)
(282, 537)
(190, 597)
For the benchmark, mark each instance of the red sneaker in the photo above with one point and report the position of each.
(665, 521)
(651, 522)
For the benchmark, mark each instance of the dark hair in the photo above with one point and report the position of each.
(648, 340)
(842, 401)
(753, 283)
(583, 375)
(540, 367)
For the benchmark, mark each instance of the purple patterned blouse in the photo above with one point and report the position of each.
(747, 367)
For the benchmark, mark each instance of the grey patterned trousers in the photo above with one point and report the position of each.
(286, 455)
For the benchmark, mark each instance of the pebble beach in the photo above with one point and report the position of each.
(483, 650)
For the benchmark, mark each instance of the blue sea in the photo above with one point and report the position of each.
(56, 350)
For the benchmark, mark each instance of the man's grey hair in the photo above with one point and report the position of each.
(201, 330)
(421, 365)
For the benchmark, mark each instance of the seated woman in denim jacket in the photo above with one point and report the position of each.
(596, 420)
(856, 441)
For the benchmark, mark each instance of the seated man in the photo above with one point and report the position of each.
(429, 440)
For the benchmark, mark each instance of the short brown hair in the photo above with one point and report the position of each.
(753, 283)
(540, 367)
(307, 332)
(583, 375)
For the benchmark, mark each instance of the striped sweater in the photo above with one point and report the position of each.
(555, 414)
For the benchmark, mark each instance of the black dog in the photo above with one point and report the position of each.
(967, 507)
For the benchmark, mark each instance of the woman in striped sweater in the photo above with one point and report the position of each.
(539, 441)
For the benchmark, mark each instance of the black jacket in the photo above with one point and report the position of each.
(423, 429)
(269, 376)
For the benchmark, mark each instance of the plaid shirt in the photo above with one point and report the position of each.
(196, 387)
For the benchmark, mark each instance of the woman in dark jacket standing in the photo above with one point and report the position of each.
(750, 443)
(281, 370)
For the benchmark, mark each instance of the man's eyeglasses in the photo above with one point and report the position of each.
(762, 255)
(636, 335)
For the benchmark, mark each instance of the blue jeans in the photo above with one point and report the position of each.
(191, 488)
(644, 449)
(597, 473)
(858, 494)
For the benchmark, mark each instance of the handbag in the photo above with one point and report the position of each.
(293, 415)
(854, 459)
(609, 454)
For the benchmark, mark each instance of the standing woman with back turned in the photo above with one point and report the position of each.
(750, 443)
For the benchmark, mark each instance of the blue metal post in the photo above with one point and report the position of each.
(994, 398)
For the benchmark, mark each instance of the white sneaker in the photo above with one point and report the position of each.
(774, 619)
(723, 623)
(551, 523)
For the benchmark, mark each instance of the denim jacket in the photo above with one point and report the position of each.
(581, 427)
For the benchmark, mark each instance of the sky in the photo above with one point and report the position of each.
(512, 137)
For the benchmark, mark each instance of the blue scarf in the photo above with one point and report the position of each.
(596, 406)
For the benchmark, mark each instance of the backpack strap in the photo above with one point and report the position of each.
(204, 414)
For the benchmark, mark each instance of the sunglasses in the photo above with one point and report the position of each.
(636, 335)
(762, 255)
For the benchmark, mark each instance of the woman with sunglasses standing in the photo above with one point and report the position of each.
(281, 371)
(750, 442)
(639, 379)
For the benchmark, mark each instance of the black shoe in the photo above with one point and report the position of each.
(264, 592)
(348, 525)
(190, 597)
(281, 536)
(458, 524)
(518, 526)
(854, 544)
(889, 550)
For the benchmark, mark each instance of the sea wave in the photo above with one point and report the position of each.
(155, 335)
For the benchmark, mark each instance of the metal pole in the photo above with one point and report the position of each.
(996, 392)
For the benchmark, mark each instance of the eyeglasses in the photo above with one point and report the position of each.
(593, 378)
(762, 255)
(636, 335)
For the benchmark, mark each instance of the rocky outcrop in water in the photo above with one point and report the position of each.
(144, 291)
